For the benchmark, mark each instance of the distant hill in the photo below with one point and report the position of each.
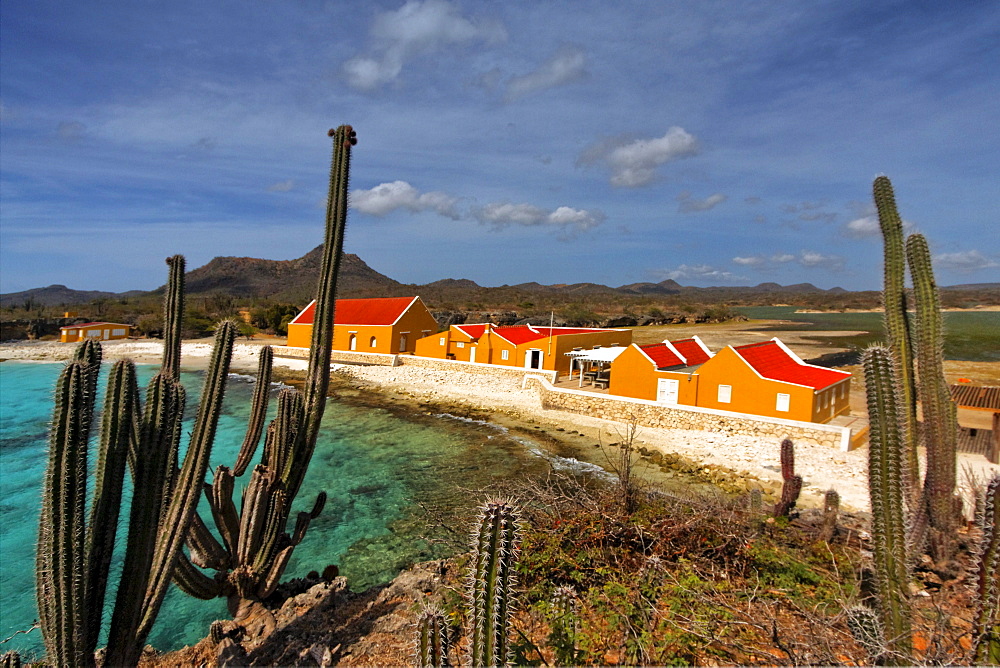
(57, 295)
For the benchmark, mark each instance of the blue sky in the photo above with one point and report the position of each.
(715, 143)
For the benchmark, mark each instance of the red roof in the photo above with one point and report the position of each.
(519, 334)
(95, 324)
(662, 356)
(692, 351)
(772, 360)
(378, 311)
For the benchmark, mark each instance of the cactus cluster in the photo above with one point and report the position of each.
(495, 550)
(74, 551)
(791, 485)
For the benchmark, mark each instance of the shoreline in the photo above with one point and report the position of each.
(684, 456)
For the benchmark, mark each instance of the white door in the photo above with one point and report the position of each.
(472, 354)
(667, 390)
(533, 359)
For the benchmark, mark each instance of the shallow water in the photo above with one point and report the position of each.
(378, 467)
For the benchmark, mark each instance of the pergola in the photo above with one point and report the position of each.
(598, 356)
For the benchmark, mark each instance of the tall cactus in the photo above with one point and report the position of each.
(939, 428)
(897, 323)
(432, 638)
(791, 486)
(986, 630)
(73, 557)
(886, 452)
(256, 541)
(495, 549)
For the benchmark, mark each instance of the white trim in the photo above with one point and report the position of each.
(403, 312)
(294, 321)
(786, 382)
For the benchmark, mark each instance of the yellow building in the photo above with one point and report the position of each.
(382, 325)
(769, 379)
(94, 331)
(666, 372)
(524, 346)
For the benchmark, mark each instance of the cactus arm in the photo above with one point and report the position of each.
(887, 444)
(206, 551)
(897, 323)
(273, 576)
(193, 582)
(220, 498)
(494, 556)
(258, 411)
(939, 426)
(318, 378)
(116, 432)
(60, 567)
(986, 630)
(173, 316)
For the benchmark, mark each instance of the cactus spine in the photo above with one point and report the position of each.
(256, 545)
(432, 638)
(887, 444)
(897, 323)
(986, 630)
(495, 548)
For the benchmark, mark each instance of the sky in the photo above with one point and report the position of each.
(713, 143)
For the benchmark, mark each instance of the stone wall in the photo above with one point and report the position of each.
(341, 356)
(652, 414)
(506, 374)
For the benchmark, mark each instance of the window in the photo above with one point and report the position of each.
(402, 341)
(782, 403)
(460, 344)
(441, 340)
(372, 342)
(505, 354)
(725, 394)
(118, 332)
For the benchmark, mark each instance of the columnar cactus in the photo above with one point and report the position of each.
(986, 630)
(939, 427)
(887, 444)
(495, 549)
(432, 638)
(897, 323)
(791, 485)
(564, 622)
(831, 510)
(74, 556)
(256, 544)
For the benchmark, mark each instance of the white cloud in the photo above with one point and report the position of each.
(388, 197)
(566, 66)
(868, 226)
(687, 204)
(806, 259)
(965, 262)
(752, 261)
(282, 186)
(415, 28)
(810, 259)
(385, 198)
(633, 162)
(696, 271)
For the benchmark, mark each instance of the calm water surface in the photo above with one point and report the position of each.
(376, 467)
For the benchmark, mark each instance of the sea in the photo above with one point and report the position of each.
(389, 475)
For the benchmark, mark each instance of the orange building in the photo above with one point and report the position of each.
(94, 331)
(769, 379)
(665, 372)
(524, 346)
(384, 325)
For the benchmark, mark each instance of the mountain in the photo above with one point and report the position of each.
(58, 295)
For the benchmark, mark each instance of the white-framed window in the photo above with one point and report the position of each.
(460, 344)
(441, 340)
(725, 394)
(826, 399)
(93, 333)
(118, 332)
(505, 354)
(783, 402)
(372, 342)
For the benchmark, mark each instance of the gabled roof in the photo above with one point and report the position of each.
(519, 334)
(95, 324)
(692, 350)
(376, 311)
(662, 355)
(773, 360)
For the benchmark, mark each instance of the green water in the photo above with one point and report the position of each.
(379, 468)
(972, 336)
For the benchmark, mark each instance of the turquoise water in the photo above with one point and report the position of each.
(378, 468)
(972, 336)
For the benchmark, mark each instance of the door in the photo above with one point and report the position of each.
(533, 359)
(472, 353)
(667, 390)
(352, 343)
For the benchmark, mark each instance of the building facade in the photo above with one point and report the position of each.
(390, 325)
